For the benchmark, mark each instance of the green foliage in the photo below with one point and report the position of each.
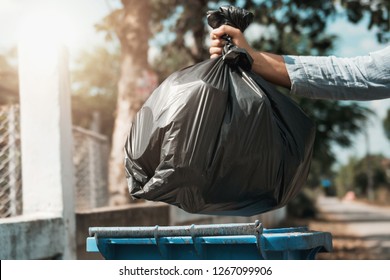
(297, 26)
(345, 178)
(363, 167)
(337, 123)
(94, 84)
(303, 205)
(187, 21)
(354, 175)
(379, 13)
(110, 24)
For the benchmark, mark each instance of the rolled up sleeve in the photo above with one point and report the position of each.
(357, 78)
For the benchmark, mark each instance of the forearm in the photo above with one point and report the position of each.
(271, 67)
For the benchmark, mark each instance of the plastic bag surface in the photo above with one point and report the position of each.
(214, 138)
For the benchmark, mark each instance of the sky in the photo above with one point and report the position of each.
(80, 16)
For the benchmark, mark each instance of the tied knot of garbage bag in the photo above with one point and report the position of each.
(233, 16)
(237, 18)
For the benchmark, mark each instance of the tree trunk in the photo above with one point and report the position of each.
(135, 85)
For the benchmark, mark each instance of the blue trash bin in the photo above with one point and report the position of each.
(249, 241)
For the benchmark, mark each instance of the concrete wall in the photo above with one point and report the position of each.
(31, 237)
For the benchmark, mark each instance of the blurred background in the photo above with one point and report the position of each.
(120, 51)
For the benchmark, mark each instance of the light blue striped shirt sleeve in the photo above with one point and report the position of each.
(356, 78)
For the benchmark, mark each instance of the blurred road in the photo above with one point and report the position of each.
(360, 231)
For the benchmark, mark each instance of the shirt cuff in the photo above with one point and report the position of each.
(298, 77)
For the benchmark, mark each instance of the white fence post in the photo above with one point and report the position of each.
(46, 135)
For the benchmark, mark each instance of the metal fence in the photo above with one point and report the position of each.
(10, 162)
(90, 158)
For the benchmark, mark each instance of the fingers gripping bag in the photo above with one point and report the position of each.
(214, 138)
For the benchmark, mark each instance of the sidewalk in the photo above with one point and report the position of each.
(360, 231)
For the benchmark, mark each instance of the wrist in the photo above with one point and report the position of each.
(271, 67)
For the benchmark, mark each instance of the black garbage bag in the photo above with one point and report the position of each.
(214, 138)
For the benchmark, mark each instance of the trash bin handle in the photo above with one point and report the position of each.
(255, 228)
